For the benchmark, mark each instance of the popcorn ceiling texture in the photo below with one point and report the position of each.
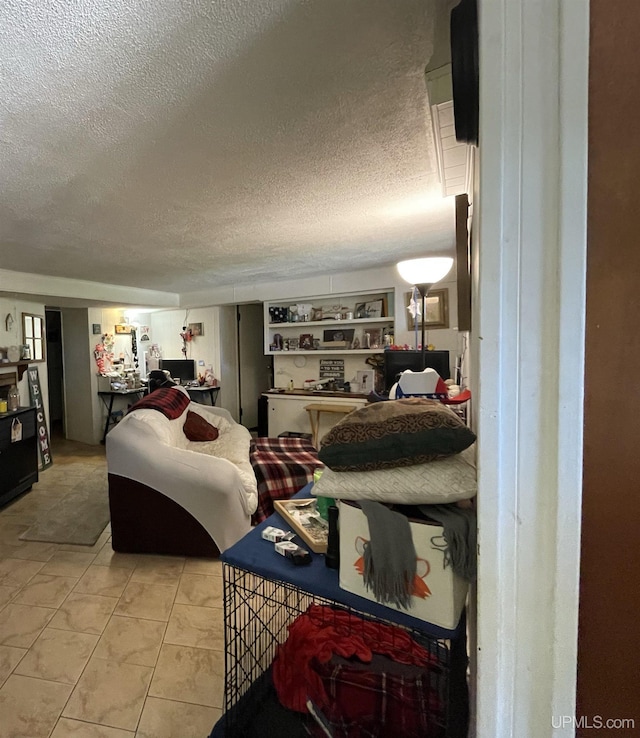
(182, 145)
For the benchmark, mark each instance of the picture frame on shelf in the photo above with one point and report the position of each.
(374, 309)
(306, 342)
(338, 335)
(437, 310)
(372, 338)
(294, 344)
(360, 310)
(316, 314)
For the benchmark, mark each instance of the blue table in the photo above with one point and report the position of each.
(256, 555)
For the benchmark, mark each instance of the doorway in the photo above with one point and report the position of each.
(255, 370)
(55, 371)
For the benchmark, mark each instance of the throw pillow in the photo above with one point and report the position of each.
(384, 435)
(438, 482)
(196, 428)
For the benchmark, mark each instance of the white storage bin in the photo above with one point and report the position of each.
(439, 593)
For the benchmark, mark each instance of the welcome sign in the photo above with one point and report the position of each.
(41, 420)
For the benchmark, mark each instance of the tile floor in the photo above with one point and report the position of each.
(96, 644)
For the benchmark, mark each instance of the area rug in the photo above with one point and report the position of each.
(80, 516)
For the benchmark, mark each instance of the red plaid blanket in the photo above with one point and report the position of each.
(371, 679)
(282, 467)
(167, 400)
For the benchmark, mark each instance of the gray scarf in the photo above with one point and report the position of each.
(389, 556)
(458, 540)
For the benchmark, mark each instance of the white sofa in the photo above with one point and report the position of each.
(170, 495)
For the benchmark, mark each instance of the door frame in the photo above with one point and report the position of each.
(529, 329)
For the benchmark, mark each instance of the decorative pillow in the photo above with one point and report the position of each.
(384, 435)
(196, 428)
(434, 483)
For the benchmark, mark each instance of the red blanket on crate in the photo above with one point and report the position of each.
(369, 678)
(282, 467)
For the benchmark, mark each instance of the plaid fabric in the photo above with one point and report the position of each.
(370, 679)
(170, 402)
(282, 467)
(381, 699)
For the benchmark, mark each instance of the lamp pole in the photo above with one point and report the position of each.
(423, 289)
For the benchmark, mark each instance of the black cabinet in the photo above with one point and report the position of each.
(18, 460)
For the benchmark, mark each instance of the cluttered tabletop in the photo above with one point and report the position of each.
(315, 393)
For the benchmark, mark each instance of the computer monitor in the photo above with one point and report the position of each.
(396, 362)
(182, 369)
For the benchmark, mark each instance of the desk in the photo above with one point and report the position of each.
(109, 396)
(264, 593)
(197, 394)
(315, 410)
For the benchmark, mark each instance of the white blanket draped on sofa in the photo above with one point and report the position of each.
(211, 480)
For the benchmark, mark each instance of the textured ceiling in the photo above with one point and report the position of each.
(183, 145)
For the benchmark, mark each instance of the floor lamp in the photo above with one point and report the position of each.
(424, 273)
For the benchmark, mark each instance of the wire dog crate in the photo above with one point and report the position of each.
(258, 613)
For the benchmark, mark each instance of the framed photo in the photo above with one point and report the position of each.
(361, 310)
(96, 328)
(316, 314)
(197, 329)
(372, 338)
(338, 334)
(437, 310)
(123, 328)
(374, 309)
(306, 342)
(294, 344)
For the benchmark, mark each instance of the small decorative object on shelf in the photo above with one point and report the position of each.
(278, 314)
(13, 354)
(13, 398)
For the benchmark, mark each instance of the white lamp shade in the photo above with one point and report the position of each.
(428, 270)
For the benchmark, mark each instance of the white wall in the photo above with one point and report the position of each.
(166, 326)
(13, 337)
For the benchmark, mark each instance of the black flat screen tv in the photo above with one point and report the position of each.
(182, 369)
(396, 362)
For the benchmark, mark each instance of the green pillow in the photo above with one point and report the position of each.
(393, 433)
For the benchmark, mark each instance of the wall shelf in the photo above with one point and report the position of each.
(334, 352)
(335, 323)
(290, 331)
(22, 366)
